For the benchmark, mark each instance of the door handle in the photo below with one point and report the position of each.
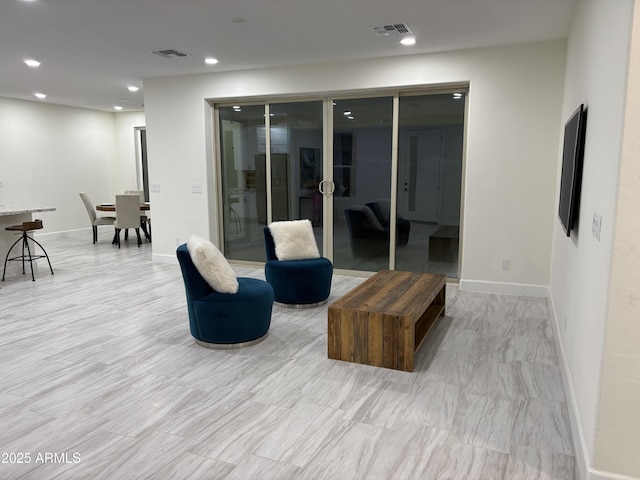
(323, 191)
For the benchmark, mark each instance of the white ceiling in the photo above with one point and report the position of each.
(92, 49)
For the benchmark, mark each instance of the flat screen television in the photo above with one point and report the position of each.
(571, 177)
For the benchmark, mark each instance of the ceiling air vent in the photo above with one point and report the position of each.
(170, 53)
(391, 29)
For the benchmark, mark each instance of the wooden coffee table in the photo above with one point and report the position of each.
(384, 320)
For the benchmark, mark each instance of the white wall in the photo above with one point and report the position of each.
(618, 428)
(596, 75)
(515, 103)
(49, 153)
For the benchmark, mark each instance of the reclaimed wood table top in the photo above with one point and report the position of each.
(394, 292)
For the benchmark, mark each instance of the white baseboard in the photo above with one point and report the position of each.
(505, 288)
(584, 471)
(164, 258)
(593, 474)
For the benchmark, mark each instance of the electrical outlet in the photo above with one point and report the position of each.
(154, 187)
(178, 242)
(505, 264)
(196, 188)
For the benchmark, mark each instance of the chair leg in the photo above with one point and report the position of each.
(95, 234)
(46, 255)
(25, 241)
(4, 270)
(139, 239)
(117, 237)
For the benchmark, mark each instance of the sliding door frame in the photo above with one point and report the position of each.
(328, 99)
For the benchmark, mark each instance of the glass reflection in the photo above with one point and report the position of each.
(430, 137)
(362, 148)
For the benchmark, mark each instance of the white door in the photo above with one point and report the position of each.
(419, 168)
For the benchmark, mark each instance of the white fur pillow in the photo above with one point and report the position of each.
(212, 265)
(294, 240)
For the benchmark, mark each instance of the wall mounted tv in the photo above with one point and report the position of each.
(571, 177)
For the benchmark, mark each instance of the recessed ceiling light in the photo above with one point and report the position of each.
(32, 63)
(117, 107)
(41, 96)
(351, 117)
(236, 20)
(457, 96)
(408, 41)
(210, 61)
(347, 112)
(133, 88)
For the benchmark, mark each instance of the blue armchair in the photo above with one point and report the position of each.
(223, 320)
(297, 283)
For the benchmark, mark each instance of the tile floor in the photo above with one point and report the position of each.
(101, 380)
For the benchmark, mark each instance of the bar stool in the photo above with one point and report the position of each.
(24, 228)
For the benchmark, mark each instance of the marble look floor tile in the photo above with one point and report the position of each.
(188, 466)
(148, 457)
(239, 432)
(376, 407)
(264, 469)
(199, 418)
(533, 327)
(432, 405)
(332, 393)
(493, 348)
(104, 364)
(535, 350)
(467, 320)
(333, 460)
(17, 423)
(531, 464)
(75, 434)
(407, 451)
(540, 308)
(497, 325)
(533, 380)
(471, 463)
(302, 432)
(461, 341)
(491, 379)
(484, 422)
(541, 425)
(445, 367)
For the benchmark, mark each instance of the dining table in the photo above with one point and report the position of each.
(111, 207)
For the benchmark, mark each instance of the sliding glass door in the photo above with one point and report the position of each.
(259, 188)
(362, 148)
(430, 136)
(379, 178)
(243, 192)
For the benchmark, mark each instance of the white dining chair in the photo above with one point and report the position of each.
(93, 216)
(145, 216)
(127, 215)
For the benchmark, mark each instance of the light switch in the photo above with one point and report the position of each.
(596, 225)
(196, 188)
